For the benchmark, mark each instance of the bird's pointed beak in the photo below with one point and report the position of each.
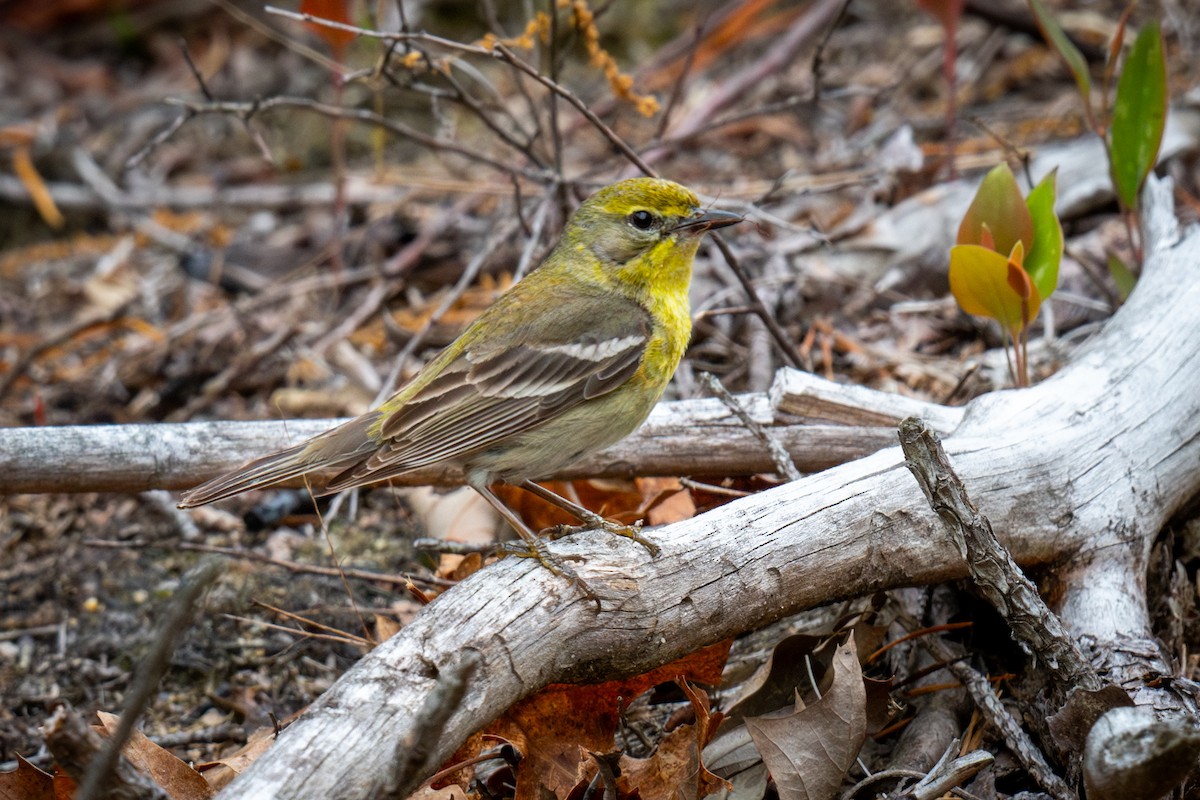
(706, 220)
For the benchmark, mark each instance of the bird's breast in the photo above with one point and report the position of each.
(669, 340)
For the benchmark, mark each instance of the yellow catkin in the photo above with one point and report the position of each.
(622, 85)
(583, 19)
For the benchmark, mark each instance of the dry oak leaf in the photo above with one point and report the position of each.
(808, 750)
(665, 500)
(676, 771)
(557, 728)
(445, 793)
(221, 772)
(27, 782)
(176, 778)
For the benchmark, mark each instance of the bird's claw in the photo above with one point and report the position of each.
(599, 523)
(537, 550)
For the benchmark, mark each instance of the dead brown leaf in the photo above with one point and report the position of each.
(177, 779)
(445, 793)
(614, 499)
(26, 782)
(881, 709)
(385, 627)
(1070, 725)
(809, 749)
(558, 727)
(219, 773)
(664, 500)
(458, 568)
(676, 771)
(774, 684)
(461, 515)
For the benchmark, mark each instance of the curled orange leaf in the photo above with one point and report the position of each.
(988, 284)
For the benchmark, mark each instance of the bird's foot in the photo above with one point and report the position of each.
(595, 522)
(537, 550)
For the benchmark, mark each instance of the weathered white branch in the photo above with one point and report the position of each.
(693, 437)
(1094, 459)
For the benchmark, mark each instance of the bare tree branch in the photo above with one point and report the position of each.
(692, 437)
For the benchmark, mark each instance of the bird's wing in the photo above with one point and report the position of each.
(557, 359)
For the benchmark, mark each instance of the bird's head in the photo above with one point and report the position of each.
(646, 229)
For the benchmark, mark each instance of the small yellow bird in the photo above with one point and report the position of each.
(568, 361)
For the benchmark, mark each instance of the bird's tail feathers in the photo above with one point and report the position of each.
(336, 449)
(260, 473)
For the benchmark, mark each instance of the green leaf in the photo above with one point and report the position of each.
(1139, 114)
(982, 281)
(1057, 38)
(1122, 276)
(999, 208)
(1046, 253)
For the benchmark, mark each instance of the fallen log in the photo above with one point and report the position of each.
(1079, 472)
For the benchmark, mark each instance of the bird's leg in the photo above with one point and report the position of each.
(533, 547)
(591, 520)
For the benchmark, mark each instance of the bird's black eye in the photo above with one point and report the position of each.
(642, 220)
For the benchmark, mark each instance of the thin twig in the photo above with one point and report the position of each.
(471, 104)
(413, 752)
(301, 619)
(219, 384)
(58, 339)
(450, 547)
(355, 641)
(781, 53)
(158, 139)
(360, 115)
(363, 310)
(499, 51)
(1021, 155)
(399, 36)
(818, 59)
(985, 699)
(556, 140)
(710, 488)
(677, 88)
(291, 566)
(503, 53)
(779, 455)
(292, 43)
(777, 333)
(534, 235)
(399, 265)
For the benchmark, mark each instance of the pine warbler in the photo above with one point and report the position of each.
(568, 361)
